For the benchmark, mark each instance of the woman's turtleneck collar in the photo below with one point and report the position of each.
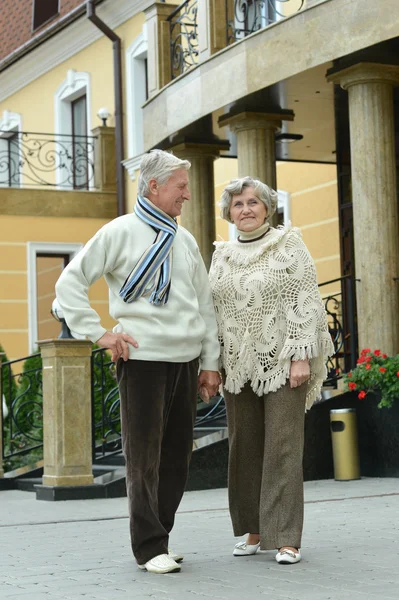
(252, 236)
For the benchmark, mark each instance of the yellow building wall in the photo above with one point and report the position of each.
(15, 232)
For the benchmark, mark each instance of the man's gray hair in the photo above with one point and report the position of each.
(158, 165)
(236, 186)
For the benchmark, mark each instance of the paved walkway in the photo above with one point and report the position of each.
(80, 549)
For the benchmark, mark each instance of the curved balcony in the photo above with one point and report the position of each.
(290, 54)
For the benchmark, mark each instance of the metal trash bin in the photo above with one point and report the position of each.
(345, 444)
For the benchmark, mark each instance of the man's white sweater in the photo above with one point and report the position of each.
(179, 331)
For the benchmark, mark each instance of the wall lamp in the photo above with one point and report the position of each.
(288, 137)
(104, 114)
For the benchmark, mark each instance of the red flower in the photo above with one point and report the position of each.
(352, 386)
(362, 395)
(377, 352)
(368, 366)
(397, 374)
(368, 359)
(361, 360)
(382, 369)
(337, 371)
(385, 356)
(350, 374)
(365, 351)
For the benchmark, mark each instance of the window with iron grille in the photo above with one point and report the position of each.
(43, 11)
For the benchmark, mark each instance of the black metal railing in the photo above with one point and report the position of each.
(340, 307)
(251, 15)
(183, 22)
(46, 160)
(106, 421)
(22, 409)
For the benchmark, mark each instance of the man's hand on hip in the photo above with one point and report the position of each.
(118, 344)
(208, 384)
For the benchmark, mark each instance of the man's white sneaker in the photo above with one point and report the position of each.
(176, 557)
(244, 549)
(162, 563)
(288, 557)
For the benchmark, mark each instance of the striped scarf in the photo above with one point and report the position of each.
(155, 265)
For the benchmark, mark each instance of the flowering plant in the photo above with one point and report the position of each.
(375, 372)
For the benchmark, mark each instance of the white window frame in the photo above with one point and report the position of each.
(135, 97)
(284, 204)
(75, 85)
(33, 249)
(10, 123)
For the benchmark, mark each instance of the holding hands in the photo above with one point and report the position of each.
(208, 384)
(118, 344)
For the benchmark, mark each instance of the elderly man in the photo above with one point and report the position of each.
(165, 344)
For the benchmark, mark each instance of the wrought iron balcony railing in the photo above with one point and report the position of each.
(183, 23)
(22, 410)
(340, 308)
(46, 160)
(251, 15)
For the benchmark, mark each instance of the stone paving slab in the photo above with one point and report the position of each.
(80, 549)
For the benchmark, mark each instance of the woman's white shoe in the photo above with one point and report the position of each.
(244, 549)
(288, 557)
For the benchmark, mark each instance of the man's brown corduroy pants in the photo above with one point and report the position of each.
(266, 437)
(158, 408)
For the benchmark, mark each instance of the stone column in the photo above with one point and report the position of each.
(256, 146)
(104, 159)
(1, 419)
(67, 412)
(198, 214)
(375, 203)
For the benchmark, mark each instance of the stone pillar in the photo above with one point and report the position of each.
(104, 159)
(256, 146)
(67, 412)
(158, 36)
(1, 419)
(213, 16)
(375, 204)
(198, 215)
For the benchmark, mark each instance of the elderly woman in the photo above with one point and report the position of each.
(274, 346)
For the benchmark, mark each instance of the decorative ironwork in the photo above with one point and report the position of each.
(42, 159)
(23, 399)
(251, 15)
(105, 406)
(183, 37)
(341, 325)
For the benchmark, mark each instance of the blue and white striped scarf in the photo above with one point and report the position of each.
(155, 265)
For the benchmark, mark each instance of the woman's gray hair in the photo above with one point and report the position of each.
(236, 186)
(158, 165)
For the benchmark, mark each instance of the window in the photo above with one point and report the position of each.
(48, 270)
(43, 11)
(80, 169)
(72, 121)
(45, 262)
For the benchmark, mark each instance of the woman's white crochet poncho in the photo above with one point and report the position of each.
(269, 312)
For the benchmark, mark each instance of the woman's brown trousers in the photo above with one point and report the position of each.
(158, 407)
(266, 436)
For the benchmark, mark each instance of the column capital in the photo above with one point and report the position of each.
(365, 73)
(199, 149)
(254, 120)
(65, 347)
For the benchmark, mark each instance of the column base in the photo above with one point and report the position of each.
(68, 480)
(69, 492)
